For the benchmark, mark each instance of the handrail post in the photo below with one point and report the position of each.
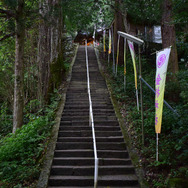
(96, 172)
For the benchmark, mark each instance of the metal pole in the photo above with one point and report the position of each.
(96, 172)
(174, 111)
(125, 64)
(137, 99)
(157, 147)
(108, 59)
(141, 93)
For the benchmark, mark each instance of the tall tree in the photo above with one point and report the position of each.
(19, 64)
(49, 47)
(119, 26)
(169, 35)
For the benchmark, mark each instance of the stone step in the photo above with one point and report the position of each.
(85, 118)
(90, 139)
(89, 133)
(97, 128)
(89, 153)
(89, 145)
(74, 153)
(86, 113)
(73, 163)
(87, 110)
(76, 161)
(85, 106)
(86, 103)
(88, 170)
(92, 186)
(86, 123)
(108, 180)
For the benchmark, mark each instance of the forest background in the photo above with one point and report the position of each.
(35, 53)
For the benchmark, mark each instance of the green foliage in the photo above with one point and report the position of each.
(5, 120)
(173, 138)
(84, 15)
(144, 11)
(21, 153)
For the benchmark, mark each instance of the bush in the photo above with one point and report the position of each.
(21, 152)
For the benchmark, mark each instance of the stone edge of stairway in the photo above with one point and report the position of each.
(133, 154)
(48, 158)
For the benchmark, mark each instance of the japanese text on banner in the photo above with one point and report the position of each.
(161, 64)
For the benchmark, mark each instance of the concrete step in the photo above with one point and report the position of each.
(86, 118)
(74, 153)
(108, 180)
(88, 170)
(73, 163)
(79, 161)
(85, 106)
(89, 145)
(86, 123)
(89, 133)
(90, 139)
(97, 128)
(92, 186)
(89, 153)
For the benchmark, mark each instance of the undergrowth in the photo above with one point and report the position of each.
(21, 153)
(173, 152)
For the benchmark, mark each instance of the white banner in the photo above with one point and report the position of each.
(131, 47)
(161, 70)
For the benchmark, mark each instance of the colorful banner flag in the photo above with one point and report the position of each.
(104, 47)
(131, 47)
(110, 42)
(161, 64)
(117, 54)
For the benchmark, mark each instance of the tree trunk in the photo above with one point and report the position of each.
(118, 26)
(169, 36)
(19, 72)
(44, 50)
(49, 46)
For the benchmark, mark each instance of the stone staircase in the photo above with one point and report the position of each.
(73, 163)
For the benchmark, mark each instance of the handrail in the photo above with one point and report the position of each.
(91, 121)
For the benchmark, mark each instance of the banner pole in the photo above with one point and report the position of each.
(117, 54)
(108, 58)
(141, 93)
(157, 147)
(137, 99)
(124, 64)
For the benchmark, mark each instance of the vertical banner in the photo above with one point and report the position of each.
(113, 65)
(117, 54)
(104, 46)
(110, 42)
(131, 47)
(109, 46)
(161, 64)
